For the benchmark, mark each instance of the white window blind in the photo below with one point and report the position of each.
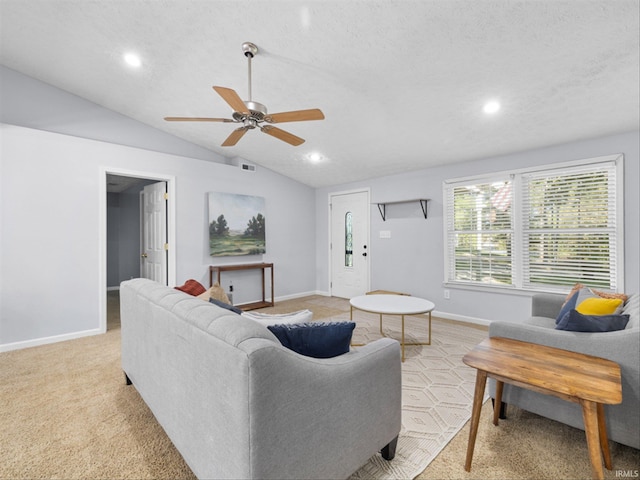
(537, 229)
(480, 232)
(570, 229)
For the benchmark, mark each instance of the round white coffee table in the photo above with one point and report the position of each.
(390, 304)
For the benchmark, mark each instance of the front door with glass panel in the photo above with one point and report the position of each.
(349, 244)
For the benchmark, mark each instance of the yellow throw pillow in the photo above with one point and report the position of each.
(599, 306)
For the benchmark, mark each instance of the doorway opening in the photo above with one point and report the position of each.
(123, 255)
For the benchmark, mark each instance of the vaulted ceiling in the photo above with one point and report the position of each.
(402, 84)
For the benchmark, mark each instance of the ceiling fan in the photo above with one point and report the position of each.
(253, 114)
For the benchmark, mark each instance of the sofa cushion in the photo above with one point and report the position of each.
(599, 306)
(216, 292)
(576, 288)
(315, 339)
(266, 319)
(622, 296)
(225, 305)
(569, 304)
(577, 322)
(192, 287)
(632, 308)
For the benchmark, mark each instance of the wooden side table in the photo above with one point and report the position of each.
(575, 377)
(247, 266)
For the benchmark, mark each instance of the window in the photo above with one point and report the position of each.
(537, 229)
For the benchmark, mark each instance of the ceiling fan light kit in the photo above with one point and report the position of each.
(252, 114)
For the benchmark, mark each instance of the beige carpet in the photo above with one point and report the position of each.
(437, 388)
(66, 413)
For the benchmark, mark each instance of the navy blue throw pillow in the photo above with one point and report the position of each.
(576, 322)
(570, 304)
(225, 305)
(315, 339)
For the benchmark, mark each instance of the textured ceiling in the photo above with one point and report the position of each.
(401, 83)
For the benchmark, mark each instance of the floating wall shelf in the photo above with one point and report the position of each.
(382, 206)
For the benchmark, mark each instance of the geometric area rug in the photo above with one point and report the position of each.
(437, 388)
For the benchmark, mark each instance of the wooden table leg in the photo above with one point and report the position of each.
(590, 415)
(604, 441)
(497, 402)
(481, 380)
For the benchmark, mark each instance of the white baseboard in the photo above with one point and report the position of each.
(294, 296)
(461, 318)
(7, 347)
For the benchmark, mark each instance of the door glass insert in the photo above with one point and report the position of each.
(348, 239)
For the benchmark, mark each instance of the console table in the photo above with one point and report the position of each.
(246, 266)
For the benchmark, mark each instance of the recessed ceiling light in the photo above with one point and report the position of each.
(314, 157)
(491, 107)
(132, 60)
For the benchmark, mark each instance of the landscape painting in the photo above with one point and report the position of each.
(236, 224)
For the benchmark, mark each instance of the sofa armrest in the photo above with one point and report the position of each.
(546, 305)
(302, 404)
(620, 346)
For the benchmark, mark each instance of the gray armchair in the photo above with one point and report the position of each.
(622, 347)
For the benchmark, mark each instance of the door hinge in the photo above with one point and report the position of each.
(166, 246)
(166, 196)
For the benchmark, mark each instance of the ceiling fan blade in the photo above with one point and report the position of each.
(296, 116)
(235, 136)
(232, 98)
(197, 119)
(282, 135)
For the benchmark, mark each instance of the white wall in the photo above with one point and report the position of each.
(50, 241)
(28, 102)
(412, 259)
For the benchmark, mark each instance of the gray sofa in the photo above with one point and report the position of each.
(237, 404)
(622, 347)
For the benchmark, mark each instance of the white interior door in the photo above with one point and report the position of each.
(349, 244)
(154, 253)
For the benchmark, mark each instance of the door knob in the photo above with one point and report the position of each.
(144, 255)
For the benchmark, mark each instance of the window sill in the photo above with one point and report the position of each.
(503, 290)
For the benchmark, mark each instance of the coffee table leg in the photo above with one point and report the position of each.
(481, 380)
(590, 415)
